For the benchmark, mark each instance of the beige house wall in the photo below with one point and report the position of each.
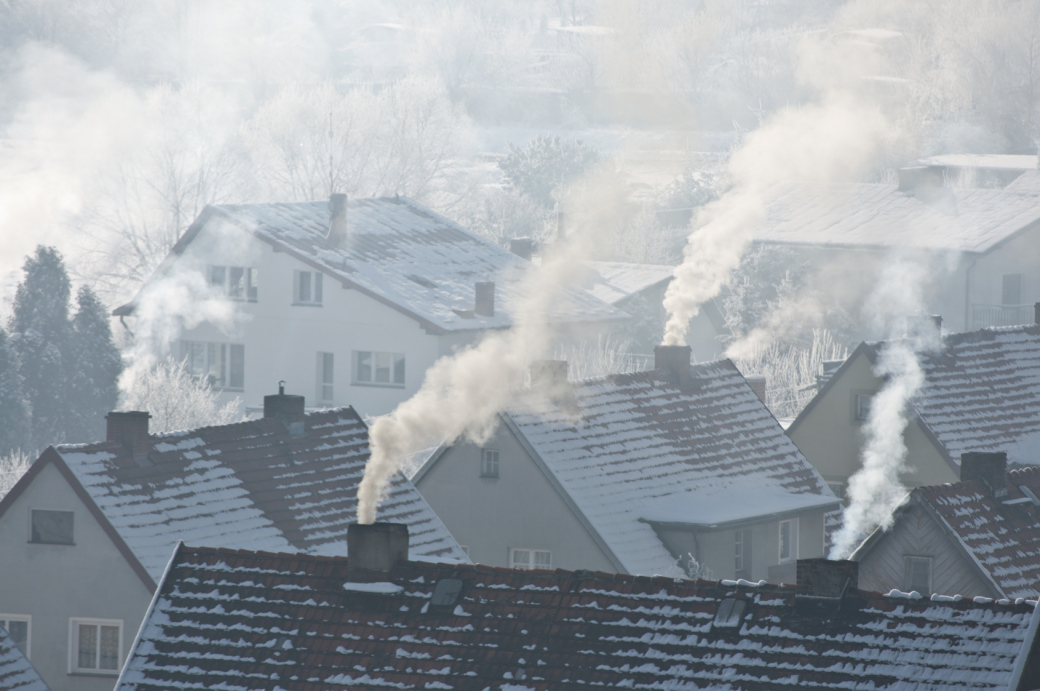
(53, 583)
(519, 509)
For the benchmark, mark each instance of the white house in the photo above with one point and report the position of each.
(87, 532)
(348, 311)
(677, 470)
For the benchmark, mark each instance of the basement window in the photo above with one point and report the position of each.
(730, 613)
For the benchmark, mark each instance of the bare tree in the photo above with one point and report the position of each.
(176, 400)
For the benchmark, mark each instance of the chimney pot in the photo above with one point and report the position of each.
(757, 382)
(287, 409)
(826, 577)
(989, 467)
(673, 363)
(131, 430)
(522, 247)
(484, 305)
(337, 219)
(374, 549)
(1036, 313)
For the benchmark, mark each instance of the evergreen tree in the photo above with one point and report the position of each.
(546, 164)
(14, 407)
(40, 335)
(96, 364)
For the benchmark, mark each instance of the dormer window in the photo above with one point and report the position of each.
(237, 282)
(307, 288)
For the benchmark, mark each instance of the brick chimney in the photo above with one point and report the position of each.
(522, 247)
(673, 363)
(484, 304)
(337, 219)
(924, 326)
(826, 577)
(131, 430)
(374, 549)
(287, 409)
(1036, 313)
(990, 467)
(757, 382)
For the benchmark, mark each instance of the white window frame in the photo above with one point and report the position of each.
(861, 412)
(906, 571)
(325, 388)
(356, 378)
(315, 288)
(74, 624)
(250, 279)
(5, 621)
(530, 563)
(59, 544)
(793, 556)
(739, 551)
(485, 465)
(219, 359)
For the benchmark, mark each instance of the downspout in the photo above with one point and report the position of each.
(968, 271)
(122, 320)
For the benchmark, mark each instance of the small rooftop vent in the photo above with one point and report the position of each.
(447, 593)
(730, 613)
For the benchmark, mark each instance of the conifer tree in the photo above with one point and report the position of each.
(40, 335)
(14, 407)
(96, 364)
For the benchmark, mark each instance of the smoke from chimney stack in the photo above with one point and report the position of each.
(673, 363)
(522, 247)
(337, 219)
(374, 549)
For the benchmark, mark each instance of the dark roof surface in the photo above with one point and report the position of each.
(240, 620)
(17, 673)
(248, 485)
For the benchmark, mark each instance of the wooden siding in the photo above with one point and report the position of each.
(917, 534)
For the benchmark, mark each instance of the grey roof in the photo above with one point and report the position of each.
(614, 282)
(881, 216)
(406, 256)
(16, 672)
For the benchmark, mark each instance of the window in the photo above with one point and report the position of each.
(307, 288)
(742, 553)
(51, 527)
(1011, 289)
(862, 406)
(788, 540)
(373, 368)
(324, 376)
(918, 575)
(18, 627)
(237, 282)
(95, 645)
(221, 364)
(489, 463)
(530, 558)
(730, 613)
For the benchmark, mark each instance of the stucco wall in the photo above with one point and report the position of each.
(55, 582)
(518, 509)
(1020, 254)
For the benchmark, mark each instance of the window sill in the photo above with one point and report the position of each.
(237, 389)
(488, 477)
(59, 544)
(377, 385)
(90, 673)
(306, 304)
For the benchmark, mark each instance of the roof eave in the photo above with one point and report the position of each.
(746, 520)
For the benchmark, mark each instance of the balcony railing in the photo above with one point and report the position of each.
(1000, 315)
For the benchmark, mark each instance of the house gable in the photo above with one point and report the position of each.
(916, 532)
(522, 508)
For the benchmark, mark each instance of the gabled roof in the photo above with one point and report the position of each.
(879, 216)
(16, 672)
(992, 161)
(258, 621)
(981, 392)
(641, 446)
(248, 485)
(401, 254)
(614, 282)
(999, 536)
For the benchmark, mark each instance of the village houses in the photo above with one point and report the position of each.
(88, 531)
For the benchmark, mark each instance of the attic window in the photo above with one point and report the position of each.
(447, 593)
(424, 282)
(730, 614)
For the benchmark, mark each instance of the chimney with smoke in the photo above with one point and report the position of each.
(826, 577)
(484, 304)
(286, 409)
(926, 327)
(561, 225)
(914, 179)
(757, 382)
(550, 378)
(1036, 313)
(989, 467)
(131, 430)
(672, 363)
(522, 247)
(374, 549)
(337, 219)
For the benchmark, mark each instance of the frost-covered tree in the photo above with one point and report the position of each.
(93, 388)
(12, 466)
(176, 400)
(15, 420)
(40, 333)
(546, 164)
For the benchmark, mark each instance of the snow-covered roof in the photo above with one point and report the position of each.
(224, 619)
(248, 485)
(881, 216)
(613, 282)
(992, 161)
(16, 672)
(405, 256)
(642, 442)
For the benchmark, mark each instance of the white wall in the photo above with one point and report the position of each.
(1021, 255)
(55, 582)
